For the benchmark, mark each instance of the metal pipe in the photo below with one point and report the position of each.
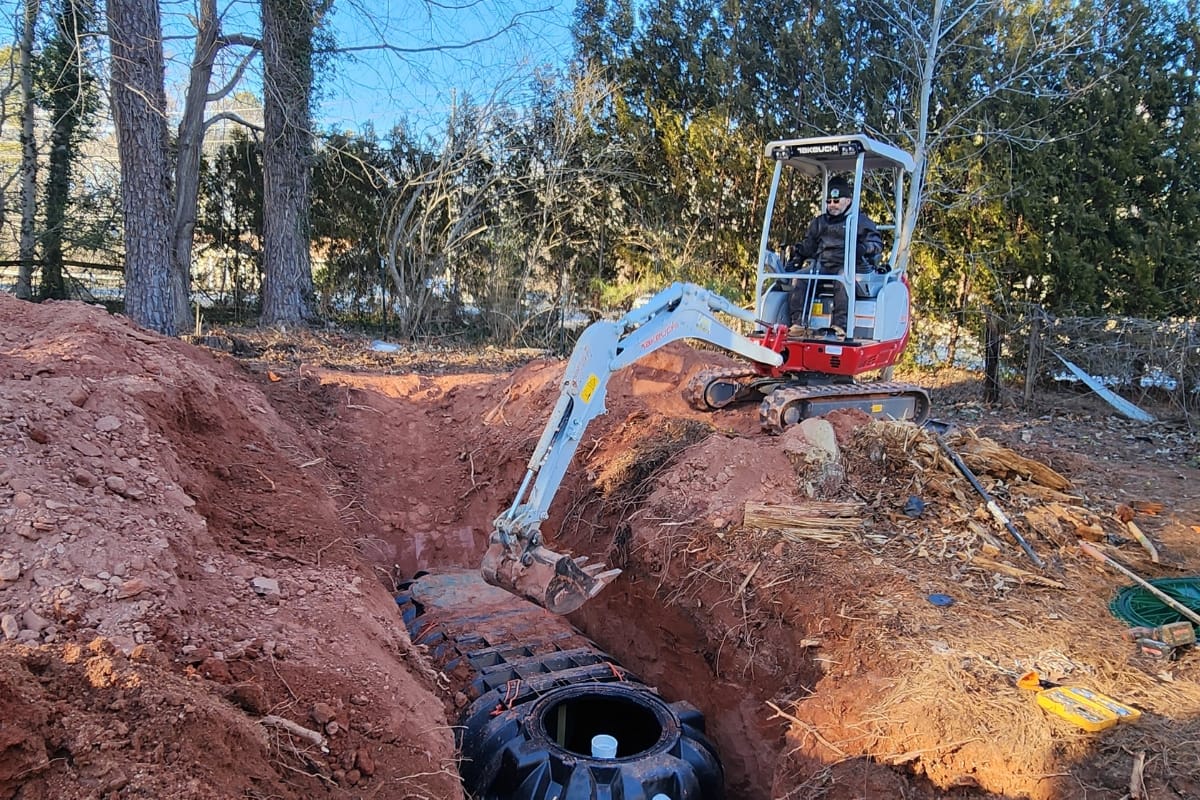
(991, 503)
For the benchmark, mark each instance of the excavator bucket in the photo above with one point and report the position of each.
(554, 581)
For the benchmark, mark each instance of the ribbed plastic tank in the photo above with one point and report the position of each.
(538, 699)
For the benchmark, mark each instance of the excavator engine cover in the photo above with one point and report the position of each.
(547, 713)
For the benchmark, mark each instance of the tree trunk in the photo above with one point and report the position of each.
(139, 110)
(916, 185)
(287, 160)
(187, 162)
(28, 243)
(71, 101)
(58, 189)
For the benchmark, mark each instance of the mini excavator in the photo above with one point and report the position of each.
(795, 377)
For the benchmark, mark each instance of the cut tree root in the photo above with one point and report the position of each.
(273, 721)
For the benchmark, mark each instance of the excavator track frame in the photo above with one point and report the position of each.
(791, 403)
(789, 398)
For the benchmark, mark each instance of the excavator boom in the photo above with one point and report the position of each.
(801, 365)
(516, 559)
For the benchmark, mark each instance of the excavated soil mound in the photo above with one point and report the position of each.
(198, 555)
(177, 567)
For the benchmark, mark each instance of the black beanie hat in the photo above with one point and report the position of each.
(839, 187)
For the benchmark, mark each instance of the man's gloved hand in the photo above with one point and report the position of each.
(794, 260)
(882, 269)
(868, 249)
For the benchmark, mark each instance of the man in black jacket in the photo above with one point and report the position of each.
(825, 242)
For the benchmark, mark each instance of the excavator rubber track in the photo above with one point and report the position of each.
(788, 405)
(719, 387)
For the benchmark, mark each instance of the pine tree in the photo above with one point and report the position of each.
(140, 111)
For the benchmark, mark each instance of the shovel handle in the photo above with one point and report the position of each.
(992, 507)
(1171, 602)
(1093, 551)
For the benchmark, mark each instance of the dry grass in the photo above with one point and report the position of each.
(949, 708)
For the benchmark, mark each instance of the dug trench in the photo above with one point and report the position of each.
(200, 556)
(672, 629)
(821, 668)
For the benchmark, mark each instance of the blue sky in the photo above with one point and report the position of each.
(383, 86)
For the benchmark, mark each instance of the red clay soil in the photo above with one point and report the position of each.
(198, 555)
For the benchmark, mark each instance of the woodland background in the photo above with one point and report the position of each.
(1057, 148)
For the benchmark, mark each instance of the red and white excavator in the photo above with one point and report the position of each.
(795, 378)
(818, 372)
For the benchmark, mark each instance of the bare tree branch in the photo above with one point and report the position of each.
(513, 23)
(238, 72)
(231, 116)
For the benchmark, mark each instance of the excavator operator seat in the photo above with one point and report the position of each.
(775, 304)
(868, 284)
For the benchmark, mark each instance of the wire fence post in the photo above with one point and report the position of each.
(991, 360)
(1033, 356)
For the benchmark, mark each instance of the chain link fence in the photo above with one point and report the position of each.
(1155, 363)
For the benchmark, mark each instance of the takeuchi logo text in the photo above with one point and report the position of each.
(658, 337)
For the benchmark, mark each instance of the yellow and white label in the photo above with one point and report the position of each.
(589, 388)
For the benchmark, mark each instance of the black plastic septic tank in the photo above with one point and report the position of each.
(547, 714)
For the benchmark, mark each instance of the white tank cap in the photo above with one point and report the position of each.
(604, 746)
(660, 796)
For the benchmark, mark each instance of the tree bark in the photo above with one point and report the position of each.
(139, 110)
(187, 160)
(28, 242)
(71, 99)
(287, 160)
(58, 188)
(190, 142)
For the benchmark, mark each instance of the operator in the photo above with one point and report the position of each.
(825, 243)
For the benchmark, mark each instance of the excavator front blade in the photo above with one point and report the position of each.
(556, 582)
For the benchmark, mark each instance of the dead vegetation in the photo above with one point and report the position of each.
(950, 670)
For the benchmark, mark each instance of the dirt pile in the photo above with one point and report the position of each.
(174, 570)
(198, 557)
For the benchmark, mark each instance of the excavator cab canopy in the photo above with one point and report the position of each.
(878, 171)
(838, 154)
